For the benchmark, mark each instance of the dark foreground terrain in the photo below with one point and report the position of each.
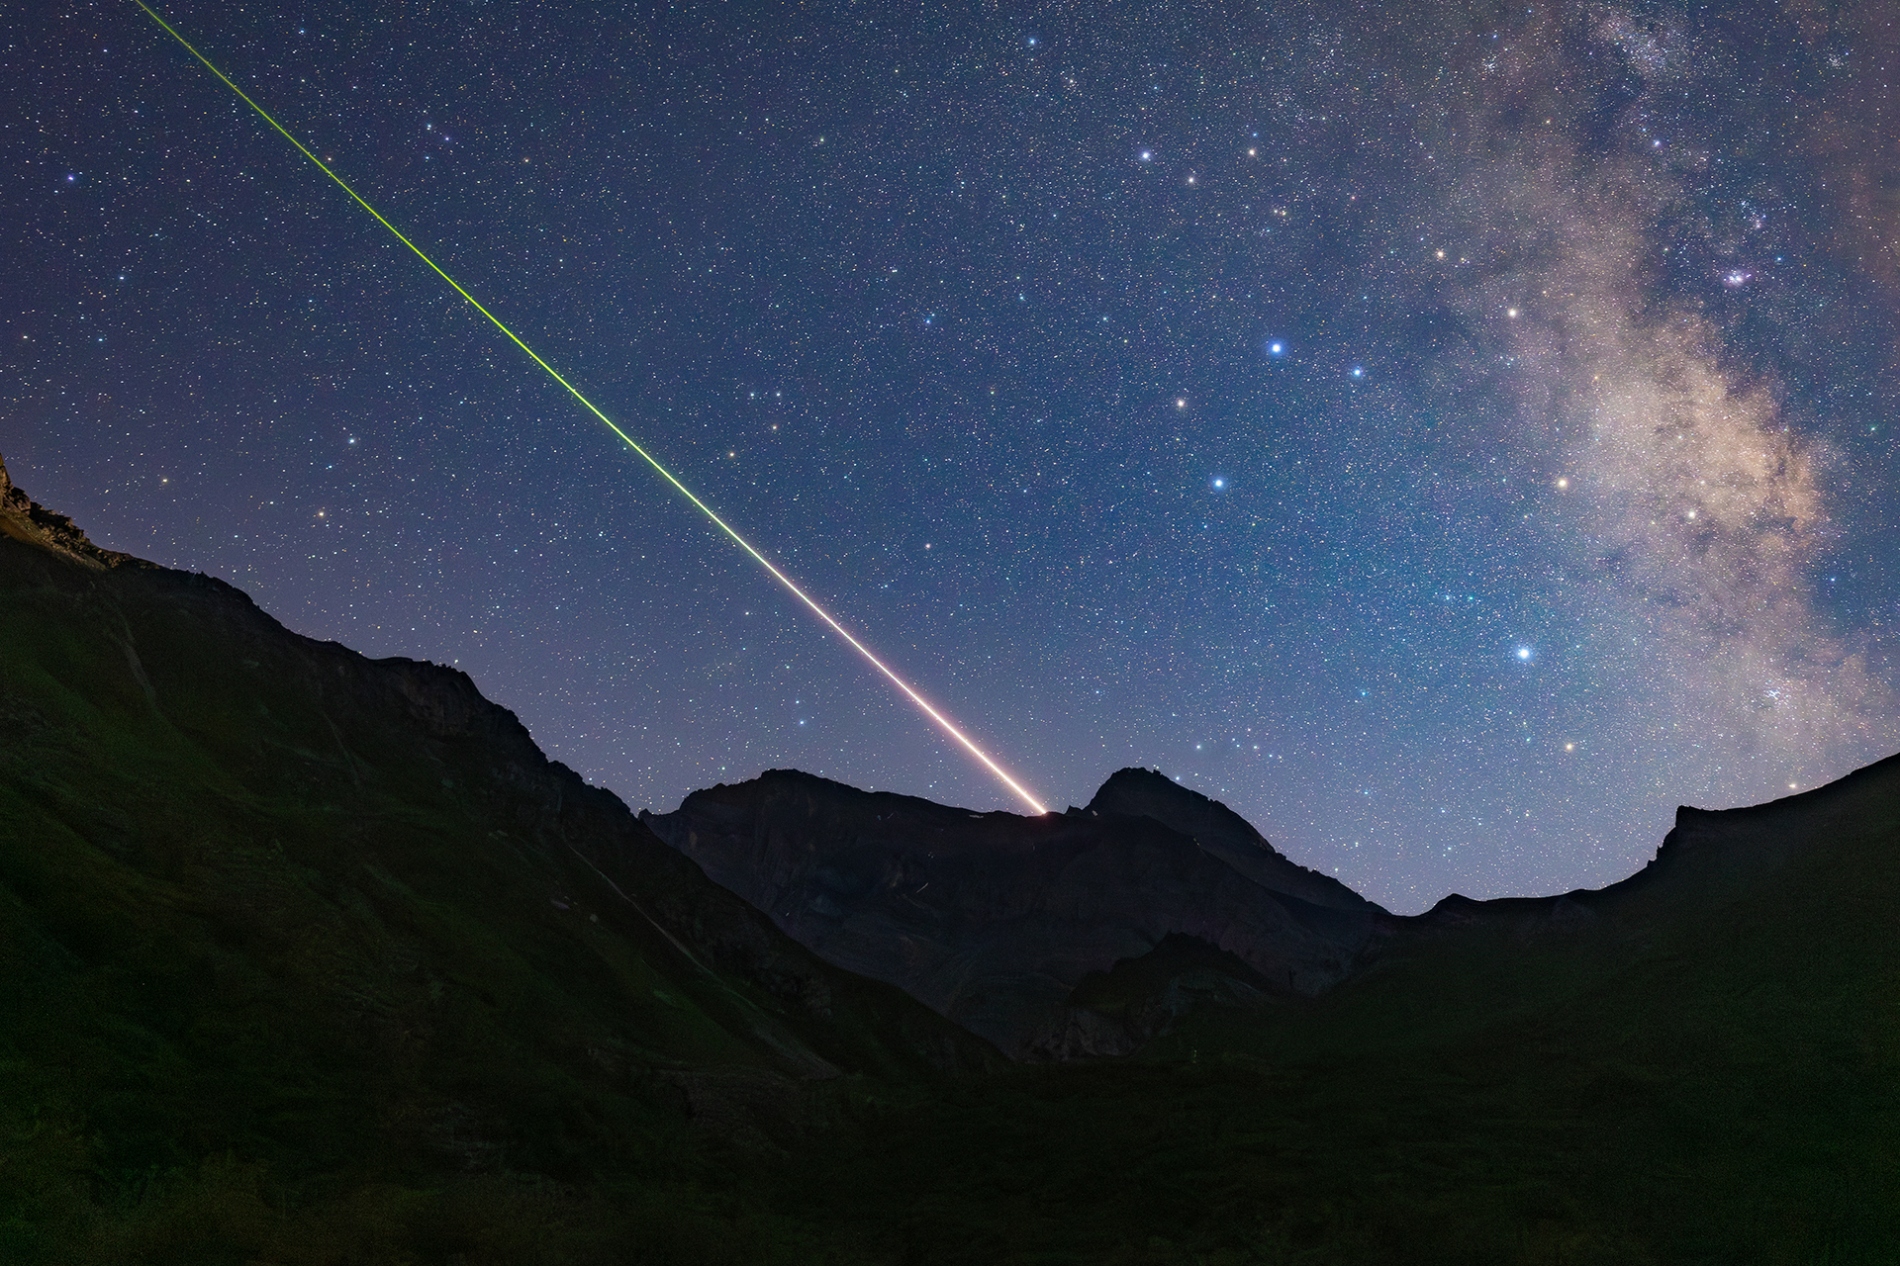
(306, 958)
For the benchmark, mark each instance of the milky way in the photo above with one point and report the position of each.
(1453, 437)
(1700, 502)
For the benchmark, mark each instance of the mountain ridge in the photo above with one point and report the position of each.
(850, 874)
(994, 919)
(308, 959)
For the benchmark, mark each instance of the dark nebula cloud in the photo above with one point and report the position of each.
(1452, 435)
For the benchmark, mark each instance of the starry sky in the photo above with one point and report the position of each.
(1452, 435)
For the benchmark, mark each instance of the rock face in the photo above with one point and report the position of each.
(994, 919)
(24, 519)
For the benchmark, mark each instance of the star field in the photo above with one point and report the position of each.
(1452, 439)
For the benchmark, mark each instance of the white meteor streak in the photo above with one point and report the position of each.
(943, 722)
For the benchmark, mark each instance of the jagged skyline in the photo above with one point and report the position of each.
(1450, 445)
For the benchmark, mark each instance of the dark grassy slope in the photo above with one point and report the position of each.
(1701, 1064)
(299, 963)
(337, 930)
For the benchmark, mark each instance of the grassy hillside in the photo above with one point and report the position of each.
(311, 959)
(306, 957)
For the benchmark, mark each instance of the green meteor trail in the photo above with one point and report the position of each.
(944, 723)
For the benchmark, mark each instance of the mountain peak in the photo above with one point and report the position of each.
(992, 919)
(1149, 793)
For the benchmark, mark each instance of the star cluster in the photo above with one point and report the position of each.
(1451, 438)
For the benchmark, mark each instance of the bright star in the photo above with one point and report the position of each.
(1276, 348)
(1219, 483)
(1358, 371)
(1524, 653)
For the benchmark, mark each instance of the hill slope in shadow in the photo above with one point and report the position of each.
(1699, 1064)
(306, 958)
(281, 926)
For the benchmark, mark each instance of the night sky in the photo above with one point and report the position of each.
(1453, 436)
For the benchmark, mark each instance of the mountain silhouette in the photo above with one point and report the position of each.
(311, 958)
(994, 919)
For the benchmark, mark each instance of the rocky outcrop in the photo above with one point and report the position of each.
(24, 519)
(995, 919)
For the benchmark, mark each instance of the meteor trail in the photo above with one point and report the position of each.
(943, 722)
